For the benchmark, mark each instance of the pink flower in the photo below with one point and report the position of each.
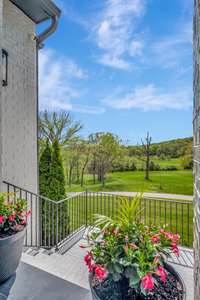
(1, 219)
(175, 249)
(154, 239)
(12, 217)
(100, 272)
(23, 222)
(176, 238)
(161, 272)
(88, 258)
(169, 235)
(28, 214)
(148, 282)
(89, 261)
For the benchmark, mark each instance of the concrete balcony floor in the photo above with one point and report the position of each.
(48, 275)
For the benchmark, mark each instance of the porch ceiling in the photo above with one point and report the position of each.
(38, 10)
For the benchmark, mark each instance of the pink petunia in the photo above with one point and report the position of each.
(161, 272)
(1, 219)
(148, 282)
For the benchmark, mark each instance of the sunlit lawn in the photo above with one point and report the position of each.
(174, 182)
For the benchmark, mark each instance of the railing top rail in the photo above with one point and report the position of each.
(40, 196)
(70, 197)
(167, 200)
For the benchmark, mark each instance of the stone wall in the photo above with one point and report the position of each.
(19, 100)
(196, 126)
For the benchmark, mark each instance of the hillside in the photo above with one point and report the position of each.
(172, 148)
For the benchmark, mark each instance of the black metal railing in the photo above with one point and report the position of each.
(61, 219)
(175, 215)
(53, 222)
(32, 238)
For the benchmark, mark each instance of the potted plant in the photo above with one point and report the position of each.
(13, 220)
(127, 260)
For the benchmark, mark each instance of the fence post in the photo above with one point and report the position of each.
(56, 227)
(86, 208)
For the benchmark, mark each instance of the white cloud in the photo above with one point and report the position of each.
(57, 77)
(149, 98)
(171, 51)
(114, 32)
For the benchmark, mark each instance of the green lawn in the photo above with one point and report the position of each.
(163, 163)
(168, 162)
(174, 182)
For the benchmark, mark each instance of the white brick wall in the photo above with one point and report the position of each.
(18, 104)
(18, 116)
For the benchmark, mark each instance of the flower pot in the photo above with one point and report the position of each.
(10, 254)
(169, 268)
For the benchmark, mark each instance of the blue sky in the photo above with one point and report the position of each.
(123, 66)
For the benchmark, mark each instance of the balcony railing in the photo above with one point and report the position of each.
(54, 222)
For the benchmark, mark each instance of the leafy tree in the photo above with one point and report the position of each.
(57, 178)
(76, 157)
(107, 149)
(58, 126)
(187, 159)
(44, 170)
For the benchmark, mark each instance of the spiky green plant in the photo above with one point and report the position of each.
(126, 213)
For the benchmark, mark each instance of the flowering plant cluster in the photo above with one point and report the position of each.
(126, 248)
(13, 216)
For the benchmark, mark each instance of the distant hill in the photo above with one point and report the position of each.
(173, 148)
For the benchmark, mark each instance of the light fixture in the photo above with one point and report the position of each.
(5, 67)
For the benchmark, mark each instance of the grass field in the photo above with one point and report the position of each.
(168, 162)
(174, 182)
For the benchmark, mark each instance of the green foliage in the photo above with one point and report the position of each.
(57, 178)
(106, 150)
(127, 213)
(173, 148)
(44, 170)
(187, 159)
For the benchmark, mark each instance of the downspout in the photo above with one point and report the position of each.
(45, 34)
(39, 45)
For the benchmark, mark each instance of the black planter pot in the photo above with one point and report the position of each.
(167, 267)
(10, 254)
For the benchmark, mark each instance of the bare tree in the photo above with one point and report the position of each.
(145, 153)
(60, 126)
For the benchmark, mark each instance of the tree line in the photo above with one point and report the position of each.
(66, 158)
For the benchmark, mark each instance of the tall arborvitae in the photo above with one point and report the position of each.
(57, 177)
(44, 170)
